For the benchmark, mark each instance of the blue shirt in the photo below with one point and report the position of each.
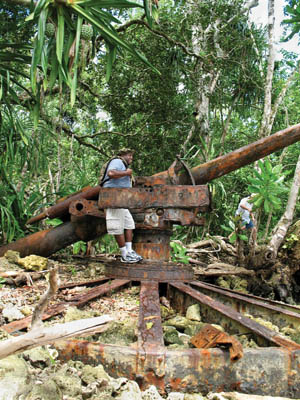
(124, 181)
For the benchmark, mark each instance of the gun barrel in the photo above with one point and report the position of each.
(61, 208)
(202, 173)
(245, 155)
(47, 242)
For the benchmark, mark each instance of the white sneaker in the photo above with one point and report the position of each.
(136, 255)
(129, 259)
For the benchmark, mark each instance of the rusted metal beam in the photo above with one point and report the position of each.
(45, 242)
(68, 285)
(151, 351)
(251, 325)
(164, 196)
(77, 301)
(150, 328)
(242, 302)
(280, 304)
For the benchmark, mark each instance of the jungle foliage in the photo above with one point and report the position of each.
(68, 101)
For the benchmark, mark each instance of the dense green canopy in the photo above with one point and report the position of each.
(178, 78)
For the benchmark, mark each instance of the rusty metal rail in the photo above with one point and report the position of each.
(272, 311)
(273, 370)
(246, 324)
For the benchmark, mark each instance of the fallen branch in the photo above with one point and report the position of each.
(219, 269)
(195, 251)
(16, 274)
(41, 336)
(19, 278)
(202, 243)
(36, 320)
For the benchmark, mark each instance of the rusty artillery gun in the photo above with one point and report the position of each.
(178, 195)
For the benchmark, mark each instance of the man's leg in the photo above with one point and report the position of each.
(128, 239)
(120, 239)
(129, 226)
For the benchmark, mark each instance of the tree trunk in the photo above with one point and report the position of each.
(280, 230)
(265, 127)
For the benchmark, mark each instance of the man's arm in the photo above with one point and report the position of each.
(115, 174)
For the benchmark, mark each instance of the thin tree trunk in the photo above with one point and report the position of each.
(268, 225)
(265, 127)
(280, 230)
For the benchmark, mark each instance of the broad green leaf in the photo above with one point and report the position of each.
(257, 203)
(253, 189)
(267, 206)
(111, 56)
(244, 238)
(256, 173)
(60, 34)
(40, 6)
(108, 3)
(231, 224)
(147, 7)
(226, 228)
(268, 166)
(8, 78)
(232, 238)
(155, 14)
(289, 10)
(38, 46)
(22, 132)
(54, 69)
(44, 63)
(105, 16)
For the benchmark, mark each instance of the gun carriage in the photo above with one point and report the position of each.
(178, 195)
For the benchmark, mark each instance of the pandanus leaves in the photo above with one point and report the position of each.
(68, 17)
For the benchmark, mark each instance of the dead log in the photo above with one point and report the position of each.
(41, 336)
(220, 269)
(19, 278)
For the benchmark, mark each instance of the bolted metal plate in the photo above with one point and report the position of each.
(153, 271)
(165, 196)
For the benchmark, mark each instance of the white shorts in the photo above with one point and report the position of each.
(118, 219)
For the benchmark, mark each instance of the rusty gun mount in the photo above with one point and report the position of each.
(166, 198)
(175, 196)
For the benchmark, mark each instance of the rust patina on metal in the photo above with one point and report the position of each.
(157, 203)
(269, 370)
(150, 271)
(159, 197)
(210, 336)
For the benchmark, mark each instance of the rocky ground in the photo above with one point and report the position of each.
(38, 374)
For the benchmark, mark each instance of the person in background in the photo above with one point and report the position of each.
(244, 210)
(119, 222)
